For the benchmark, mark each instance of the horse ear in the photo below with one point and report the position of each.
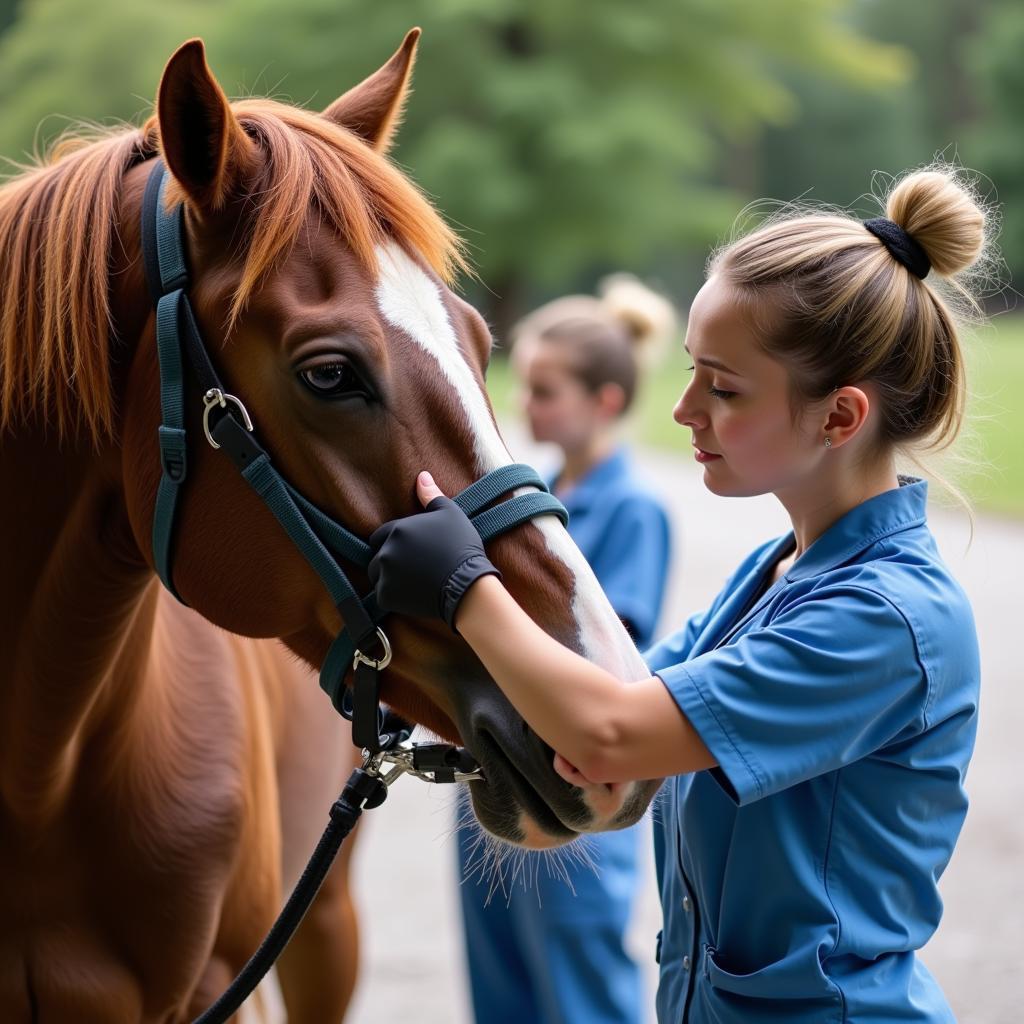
(373, 108)
(204, 146)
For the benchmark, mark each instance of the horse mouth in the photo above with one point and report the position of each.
(508, 793)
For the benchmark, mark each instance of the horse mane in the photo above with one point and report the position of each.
(58, 225)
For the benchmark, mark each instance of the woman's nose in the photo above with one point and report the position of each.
(686, 412)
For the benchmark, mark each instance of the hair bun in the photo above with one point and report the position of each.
(649, 318)
(940, 213)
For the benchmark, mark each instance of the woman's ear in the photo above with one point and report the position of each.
(611, 400)
(848, 410)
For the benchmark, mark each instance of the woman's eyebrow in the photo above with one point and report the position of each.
(713, 363)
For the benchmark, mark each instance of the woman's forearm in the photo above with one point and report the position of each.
(568, 701)
(610, 730)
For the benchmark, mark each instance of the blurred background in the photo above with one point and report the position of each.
(573, 138)
(569, 138)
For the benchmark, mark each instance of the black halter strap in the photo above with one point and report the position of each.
(323, 541)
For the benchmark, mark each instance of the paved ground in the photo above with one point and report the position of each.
(405, 873)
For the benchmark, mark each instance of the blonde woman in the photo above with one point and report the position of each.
(817, 720)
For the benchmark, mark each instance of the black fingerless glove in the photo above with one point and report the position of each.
(425, 563)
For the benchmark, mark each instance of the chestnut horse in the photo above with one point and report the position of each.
(165, 768)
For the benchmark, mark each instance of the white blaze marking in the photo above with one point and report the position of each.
(603, 637)
(410, 300)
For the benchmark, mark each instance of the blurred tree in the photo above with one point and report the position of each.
(563, 137)
(996, 56)
(66, 60)
(844, 135)
(8, 12)
(961, 104)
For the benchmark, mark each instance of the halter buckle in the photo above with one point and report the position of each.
(214, 398)
(379, 663)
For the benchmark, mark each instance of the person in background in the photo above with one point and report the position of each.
(548, 947)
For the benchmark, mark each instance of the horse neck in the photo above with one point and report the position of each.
(78, 603)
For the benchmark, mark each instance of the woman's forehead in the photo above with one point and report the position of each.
(543, 358)
(721, 329)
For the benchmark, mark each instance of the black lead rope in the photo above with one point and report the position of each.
(367, 787)
(361, 791)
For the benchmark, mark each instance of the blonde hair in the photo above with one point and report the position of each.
(837, 307)
(606, 339)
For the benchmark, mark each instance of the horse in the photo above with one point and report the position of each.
(165, 764)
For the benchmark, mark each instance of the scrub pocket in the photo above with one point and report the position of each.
(781, 991)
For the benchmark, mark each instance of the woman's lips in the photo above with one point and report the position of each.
(702, 456)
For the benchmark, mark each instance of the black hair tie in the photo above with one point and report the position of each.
(904, 248)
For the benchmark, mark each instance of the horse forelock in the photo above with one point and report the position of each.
(310, 162)
(58, 230)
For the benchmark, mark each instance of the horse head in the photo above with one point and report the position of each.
(320, 279)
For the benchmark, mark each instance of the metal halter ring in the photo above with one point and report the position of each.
(383, 662)
(211, 400)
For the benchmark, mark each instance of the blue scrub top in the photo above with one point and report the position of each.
(799, 876)
(623, 532)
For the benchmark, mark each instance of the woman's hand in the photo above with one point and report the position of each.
(425, 563)
(605, 730)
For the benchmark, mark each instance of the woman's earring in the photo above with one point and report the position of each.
(828, 442)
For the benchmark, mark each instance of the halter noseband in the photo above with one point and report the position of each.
(321, 540)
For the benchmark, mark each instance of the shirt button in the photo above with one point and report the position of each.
(687, 905)
(686, 963)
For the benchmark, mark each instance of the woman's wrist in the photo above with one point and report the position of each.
(475, 609)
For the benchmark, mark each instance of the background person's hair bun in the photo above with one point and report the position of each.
(649, 318)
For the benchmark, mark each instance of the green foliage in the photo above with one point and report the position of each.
(843, 137)
(8, 12)
(564, 137)
(995, 440)
(996, 55)
(64, 60)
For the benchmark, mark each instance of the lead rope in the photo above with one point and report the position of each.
(367, 787)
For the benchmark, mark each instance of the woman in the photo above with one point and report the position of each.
(818, 719)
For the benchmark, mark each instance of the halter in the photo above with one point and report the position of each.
(321, 540)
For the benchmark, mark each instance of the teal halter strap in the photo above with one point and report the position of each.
(320, 539)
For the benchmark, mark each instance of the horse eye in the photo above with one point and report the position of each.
(331, 380)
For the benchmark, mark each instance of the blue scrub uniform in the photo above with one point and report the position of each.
(552, 953)
(799, 876)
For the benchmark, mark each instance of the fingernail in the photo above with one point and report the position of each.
(426, 479)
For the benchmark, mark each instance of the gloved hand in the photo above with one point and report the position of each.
(425, 563)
